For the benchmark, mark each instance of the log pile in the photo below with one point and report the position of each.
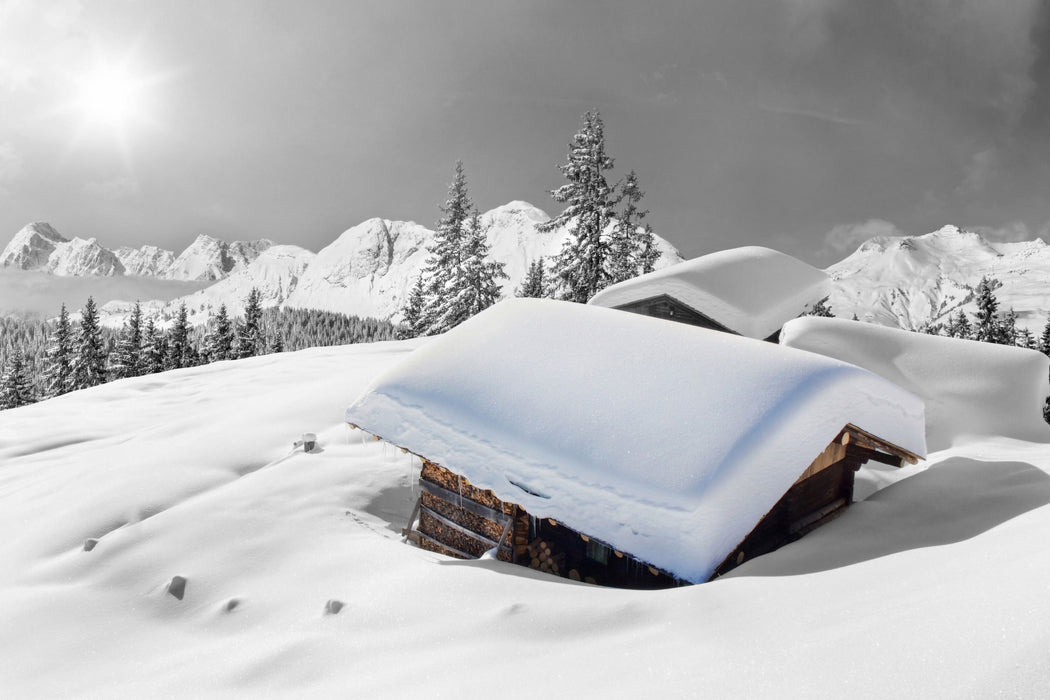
(541, 558)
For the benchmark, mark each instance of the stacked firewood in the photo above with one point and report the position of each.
(541, 558)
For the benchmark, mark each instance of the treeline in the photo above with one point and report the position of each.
(607, 243)
(42, 360)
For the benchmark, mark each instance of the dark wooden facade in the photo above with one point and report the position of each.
(671, 309)
(458, 519)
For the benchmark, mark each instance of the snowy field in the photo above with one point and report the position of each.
(937, 585)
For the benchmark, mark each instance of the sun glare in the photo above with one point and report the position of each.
(109, 96)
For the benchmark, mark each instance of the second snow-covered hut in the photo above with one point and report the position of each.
(628, 450)
(751, 291)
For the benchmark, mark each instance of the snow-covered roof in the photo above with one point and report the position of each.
(752, 290)
(665, 440)
(971, 389)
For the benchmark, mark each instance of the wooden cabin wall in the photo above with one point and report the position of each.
(671, 309)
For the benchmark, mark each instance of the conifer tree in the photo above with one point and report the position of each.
(1044, 340)
(480, 273)
(581, 267)
(626, 244)
(536, 284)
(821, 308)
(276, 343)
(59, 357)
(218, 343)
(986, 325)
(179, 352)
(959, 326)
(250, 336)
(1025, 339)
(649, 252)
(412, 313)
(15, 387)
(127, 361)
(445, 257)
(1008, 333)
(88, 366)
(154, 349)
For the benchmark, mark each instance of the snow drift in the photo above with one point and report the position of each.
(750, 290)
(667, 441)
(971, 389)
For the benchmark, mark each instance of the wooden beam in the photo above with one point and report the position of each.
(416, 535)
(463, 502)
(459, 528)
(412, 518)
(874, 442)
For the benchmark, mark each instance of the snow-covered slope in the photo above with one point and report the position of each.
(31, 247)
(526, 399)
(905, 281)
(275, 273)
(147, 261)
(209, 258)
(936, 586)
(964, 383)
(39, 246)
(370, 268)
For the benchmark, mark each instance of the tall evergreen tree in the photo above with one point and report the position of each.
(443, 270)
(627, 244)
(1008, 333)
(412, 313)
(15, 387)
(536, 284)
(127, 360)
(250, 335)
(179, 352)
(986, 325)
(1044, 340)
(959, 326)
(649, 252)
(88, 366)
(581, 267)
(59, 358)
(480, 272)
(218, 343)
(154, 349)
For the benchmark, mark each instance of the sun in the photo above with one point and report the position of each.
(110, 96)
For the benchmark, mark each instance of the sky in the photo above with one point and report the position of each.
(803, 125)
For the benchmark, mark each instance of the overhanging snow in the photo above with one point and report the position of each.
(669, 442)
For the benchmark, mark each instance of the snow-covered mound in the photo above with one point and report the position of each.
(751, 290)
(906, 281)
(189, 473)
(971, 389)
(209, 258)
(526, 399)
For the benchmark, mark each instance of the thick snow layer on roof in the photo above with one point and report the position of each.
(971, 389)
(664, 440)
(751, 290)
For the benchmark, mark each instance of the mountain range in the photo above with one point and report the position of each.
(899, 281)
(367, 271)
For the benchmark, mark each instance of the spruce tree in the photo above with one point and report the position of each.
(179, 352)
(626, 245)
(59, 357)
(412, 313)
(480, 272)
(536, 284)
(1044, 340)
(218, 344)
(127, 360)
(154, 349)
(250, 336)
(443, 270)
(276, 343)
(88, 366)
(649, 252)
(581, 267)
(986, 325)
(959, 326)
(15, 387)
(821, 308)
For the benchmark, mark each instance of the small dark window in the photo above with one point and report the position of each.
(598, 552)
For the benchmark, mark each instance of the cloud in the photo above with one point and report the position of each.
(36, 39)
(978, 172)
(846, 237)
(1012, 232)
(120, 187)
(11, 166)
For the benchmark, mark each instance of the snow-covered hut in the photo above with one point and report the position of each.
(749, 291)
(620, 448)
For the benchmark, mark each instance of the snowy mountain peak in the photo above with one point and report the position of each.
(83, 257)
(31, 247)
(147, 261)
(209, 258)
(516, 210)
